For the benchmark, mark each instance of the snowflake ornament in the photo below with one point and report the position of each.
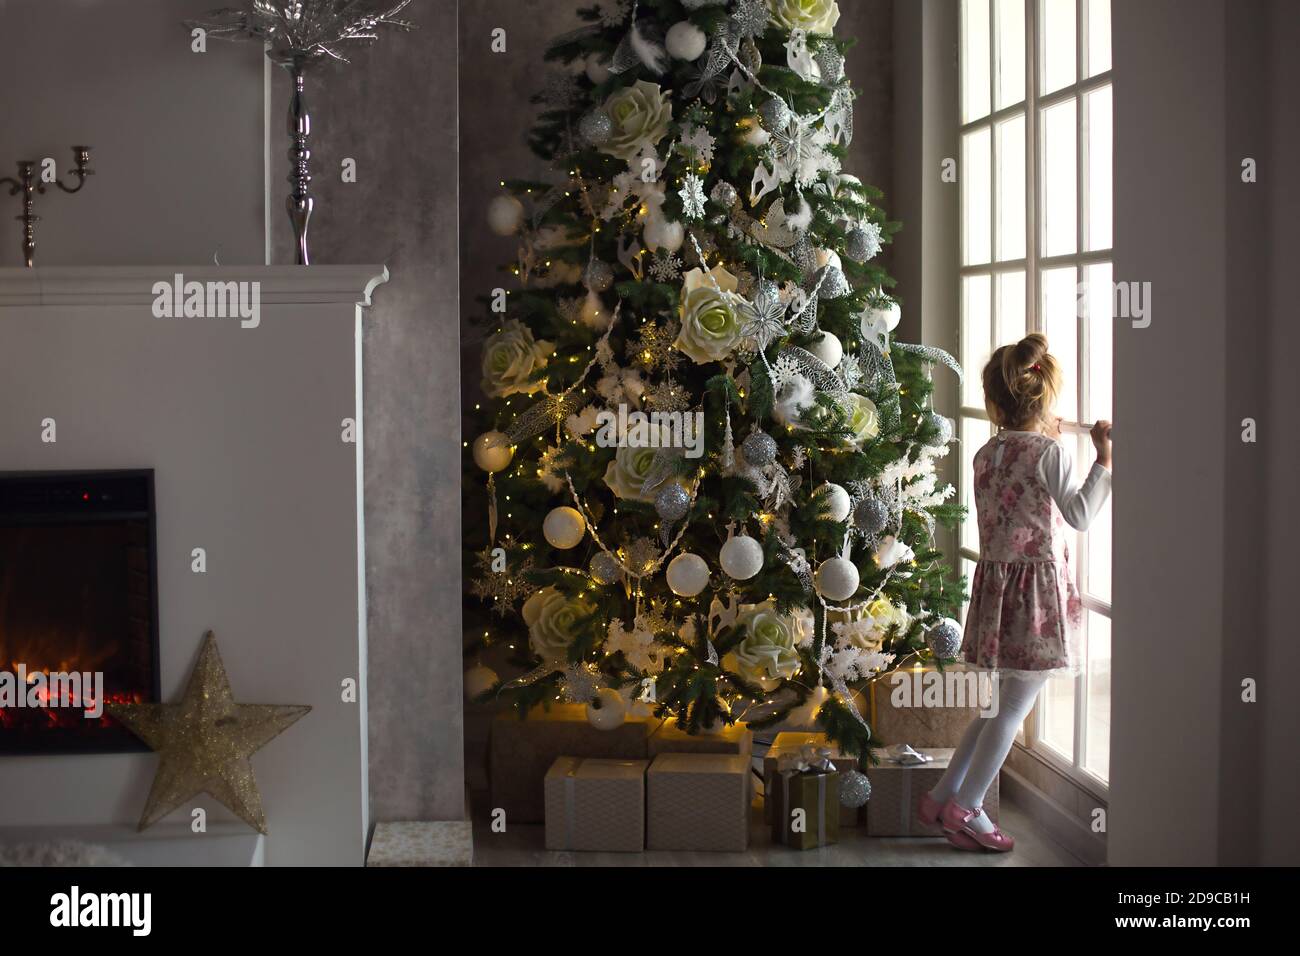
(653, 347)
(692, 193)
(613, 13)
(504, 588)
(667, 396)
(666, 266)
(700, 142)
(750, 18)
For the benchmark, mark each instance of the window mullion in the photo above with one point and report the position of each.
(1032, 291)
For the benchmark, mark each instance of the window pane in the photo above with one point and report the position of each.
(974, 59)
(1061, 325)
(1100, 544)
(1059, 162)
(974, 433)
(1057, 59)
(1097, 750)
(967, 569)
(976, 334)
(1011, 307)
(1101, 349)
(1011, 188)
(1097, 116)
(1098, 36)
(1056, 716)
(1011, 52)
(976, 203)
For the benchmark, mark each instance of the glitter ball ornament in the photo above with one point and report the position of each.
(608, 710)
(672, 502)
(596, 127)
(598, 276)
(855, 789)
(505, 214)
(687, 575)
(759, 449)
(604, 568)
(833, 284)
(724, 194)
(831, 62)
(478, 681)
(944, 639)
(942, 426)
(564, 528)
(860, 245)
(774, 114)
(767, 296)
(834, 500)
(741, 557)
(871, 515)
(837, 579)
(492, 452)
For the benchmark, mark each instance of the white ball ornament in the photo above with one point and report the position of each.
(564, 528)
(685, 41)
(661, 233)
(597, 68)
(505, 215)
(835, 501)
(837, 579)
(829, 257)
(829, 349)
(479, 680)
(741, 557)
(687, 575)
(608, 710)
(889, 314)
(492, 452)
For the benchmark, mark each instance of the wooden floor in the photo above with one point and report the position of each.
(524, 845)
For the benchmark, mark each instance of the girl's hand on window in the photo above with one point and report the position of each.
(1101, 441)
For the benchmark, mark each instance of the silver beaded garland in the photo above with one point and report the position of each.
(944, 639)
(604, 568)
(598, 276)
(672, 502)
(871, 515)
(774, 114)
(855, 789)
(596, 127)
(759, 449)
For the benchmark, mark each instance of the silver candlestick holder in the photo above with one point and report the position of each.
(29, 184)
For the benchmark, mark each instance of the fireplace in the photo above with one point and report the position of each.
(78, 608)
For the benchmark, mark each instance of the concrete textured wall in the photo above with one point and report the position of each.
(393, 110)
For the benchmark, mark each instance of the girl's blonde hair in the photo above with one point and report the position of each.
(1021, 383)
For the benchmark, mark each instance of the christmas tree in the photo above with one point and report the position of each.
(711, 487)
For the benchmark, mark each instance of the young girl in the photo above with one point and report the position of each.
(1024, 614)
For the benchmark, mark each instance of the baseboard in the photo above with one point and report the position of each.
(1061, 826)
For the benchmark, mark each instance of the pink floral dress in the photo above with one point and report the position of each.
(1025, 613)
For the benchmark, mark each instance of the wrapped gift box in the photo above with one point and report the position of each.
(817, 794)
(520, 752)
(896, 795)
(595, 804)
(698, 802)
(791, 742)
(920, 714)
(668, 738)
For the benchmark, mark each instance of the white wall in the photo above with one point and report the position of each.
(241, 427)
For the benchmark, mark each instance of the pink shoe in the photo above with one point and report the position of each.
(929, 814)
(956, 823)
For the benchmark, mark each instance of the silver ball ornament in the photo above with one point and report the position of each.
(774, 114)
(759, 449)
(942, 425)
(724, 194)
(596, 127)
(871, 515)
(944, 639)
(767, 296)
(855, 789)
(858, 245)
(831, 62)
(834, 285)
(672, 502)
(604, 568)
(598, 276)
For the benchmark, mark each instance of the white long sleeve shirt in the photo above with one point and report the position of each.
(1079, 504)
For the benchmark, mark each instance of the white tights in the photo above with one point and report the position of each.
(986, 743)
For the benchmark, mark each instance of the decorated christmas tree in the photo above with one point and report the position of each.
(710, 488)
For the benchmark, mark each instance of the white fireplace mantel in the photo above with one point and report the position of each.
(247, 432)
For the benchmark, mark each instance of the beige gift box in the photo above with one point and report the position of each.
(921, 724)
(792, 742)
(521, 752)
(698, 802)
(668, 738)
(595, 804)
(896, 795)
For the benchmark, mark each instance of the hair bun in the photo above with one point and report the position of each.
(1021, 381)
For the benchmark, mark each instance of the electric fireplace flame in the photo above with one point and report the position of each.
(78, 609)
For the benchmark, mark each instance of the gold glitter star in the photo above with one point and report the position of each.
(205, 740)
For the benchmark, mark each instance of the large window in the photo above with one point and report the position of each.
(1036, 201)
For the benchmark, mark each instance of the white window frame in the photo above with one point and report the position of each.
(1033, 265)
